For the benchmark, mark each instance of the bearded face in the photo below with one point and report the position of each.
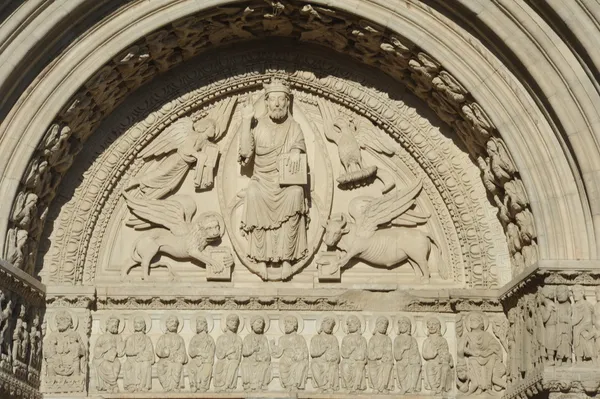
(277, 105)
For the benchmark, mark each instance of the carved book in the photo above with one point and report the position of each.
(291, 179)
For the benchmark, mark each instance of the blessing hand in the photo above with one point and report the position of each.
(248, 110)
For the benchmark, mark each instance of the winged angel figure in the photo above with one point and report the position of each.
(186, 238)
(379, 232)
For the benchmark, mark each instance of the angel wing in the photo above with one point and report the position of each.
(369, 215)
(500, 328)
(175, 213)
(221, 114)
(169, 140)
(368, 137)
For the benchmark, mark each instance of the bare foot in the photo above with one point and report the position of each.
(261, 270)
(286, 270)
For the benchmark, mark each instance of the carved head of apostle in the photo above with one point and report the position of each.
(434, 326)
(404, 325)
(201, 325)
(353, 324)
(112, 324)
(290, 324)
(381, 325)
(327, 325)
(139, 324)
(277, 97)
(578, 293)
(476, 322)
(562, 293)
(232, 322)
(172, 323)
(63, 321)
(258, 324)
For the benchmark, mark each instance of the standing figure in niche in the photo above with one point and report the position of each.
(597, 323)
(564, 330)
(202, 357)
(354, 357)
(325, 353)
(293, 354)
(137, 370)
(381, 361)
(548, 312)
(256, 364)
(274, 216)
(513, 338)
(439, 363)
(35, 354)
(408, 358)
(170, 350)
(64, 351)
(583, 326)
(108, 349)
(229, 355)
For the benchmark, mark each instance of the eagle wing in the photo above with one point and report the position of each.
(169, 140)
(368, 136)
(328, 114)
(174, 214)
(372, 213)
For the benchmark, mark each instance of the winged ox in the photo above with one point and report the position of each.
(379, 231)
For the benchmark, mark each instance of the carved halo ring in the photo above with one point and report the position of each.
(223, 321)
(413, 324)
(363, 324)
(334, 317)
(210, 322)
(265, 318)
(372, 323)
(298, 318)
(106, 316)
(442, 324)
(165, 317)
(484, 317)
(206, 215)
(146, 318)
(74, 320)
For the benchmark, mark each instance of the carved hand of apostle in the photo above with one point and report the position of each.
(293, 162)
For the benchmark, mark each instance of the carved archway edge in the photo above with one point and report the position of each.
(151, 55)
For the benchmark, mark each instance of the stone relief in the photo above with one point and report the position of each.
(292, 352)
(325, 357)
(229, 355)
(170, 350)
(408, 358)
(137, 370)
(202, 356)
(439, 364)
(108, 349)
(353, 357)
(381, 359)
(583, 327)
(256, 362)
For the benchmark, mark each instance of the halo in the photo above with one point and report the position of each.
(264, 316)
(298, 318)
(486, 320)
(204, 215)
(104, 318)
(372, 323)
(146, 318)
(363, 324)
(442, 324)
(74, 320)
(163, 322)
(334, 316)
(209, 321)
(223, 322)
(413, 324)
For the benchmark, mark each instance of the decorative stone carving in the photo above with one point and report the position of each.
(229, 355)
(362, 237)
(325, 354)
(65, 356)
(381, 359)
(202, 356)
(408, 358)
(137, 370)
(256, 364)
(438, 360)
(292, 352)
(583, 326)
(549, 314)
(7, 305)
(564, 326)
(596, 318)
(274, 215)
(170, 350)
(483, 355)
(354, 356)
(35, 352)
(108, 349)
(186, 238)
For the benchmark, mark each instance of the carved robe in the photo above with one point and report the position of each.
(170, 350)
(550, 320)
(65, 354)
(256, 365)
(354, 360)
(325, 353)
(274, 217)
(137, 370)
(202, 358)
(293, 365)
(109, 347)
(583, 330)
(484, 361)
(381, 363)
(408, 363)
(229, 355)
(564, 332)
(597, 326)
(439, 364)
